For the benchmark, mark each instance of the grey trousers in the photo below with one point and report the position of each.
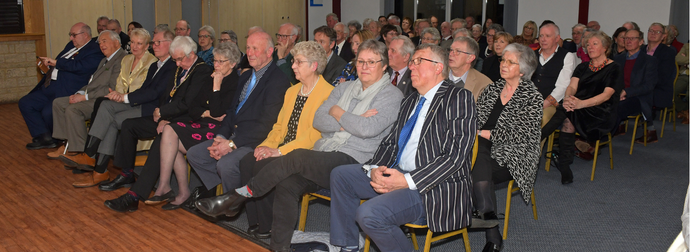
(108, 122)
(68, 121)
(213, 172)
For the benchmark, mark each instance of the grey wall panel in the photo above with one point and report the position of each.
(191, 11)
(143, 11)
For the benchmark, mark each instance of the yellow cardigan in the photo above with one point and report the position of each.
(128, 82)
(306, 134)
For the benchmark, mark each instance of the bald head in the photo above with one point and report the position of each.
(593, 25)
(259, 49)
(80, 34)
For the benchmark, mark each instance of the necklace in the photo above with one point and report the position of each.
(505, 92)
(301, 90)
(596, 68)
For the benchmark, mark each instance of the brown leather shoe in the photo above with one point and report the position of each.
(55, 154)
(78, 160)
(651, 137)
(93, 179)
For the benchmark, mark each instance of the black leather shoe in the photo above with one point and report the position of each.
(123, 204)
(486, 220)
(41, 143)
(170, 206)
(491, 247)
(170, 195)
(117, 183)
(266, 235)
(228, 204)
(253, 229)
(566, 175)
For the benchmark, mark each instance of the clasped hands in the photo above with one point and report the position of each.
(219, 148)
(115, 96)
(384, 179)
(571, 103)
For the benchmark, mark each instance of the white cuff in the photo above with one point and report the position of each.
(126, 100)
(410, 182)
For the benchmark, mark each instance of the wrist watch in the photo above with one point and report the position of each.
(232, 145)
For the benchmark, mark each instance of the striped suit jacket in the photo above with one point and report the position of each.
(444, 155)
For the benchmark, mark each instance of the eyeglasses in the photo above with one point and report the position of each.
(630, 38)
(224, 40)
(298, 62)
(418, 61)
(655, 32)
(179, 59)
(490, 35)
(370, 63)
(281, 36)
(180, 29)
(74, 34)
(509, 62)
(158, 43)
(205, 36)
(458, 52)
(220, 61)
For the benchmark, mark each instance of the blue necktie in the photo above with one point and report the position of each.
(407, 130)
(246, 91)
(336, 50)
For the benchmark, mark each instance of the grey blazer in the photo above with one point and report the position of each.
(334, 68)
(105, 76)
(405, 83)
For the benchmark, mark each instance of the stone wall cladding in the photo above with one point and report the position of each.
(17, 69)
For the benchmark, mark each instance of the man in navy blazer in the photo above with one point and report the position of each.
(249, 120)
(640, 77)
(69, 71)
(420, 172)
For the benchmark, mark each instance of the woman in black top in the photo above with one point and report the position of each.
(491, 66)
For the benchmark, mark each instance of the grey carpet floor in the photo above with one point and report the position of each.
(634, 207)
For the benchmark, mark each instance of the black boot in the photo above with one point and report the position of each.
(566, 146)
(484, 199)
(91, 146)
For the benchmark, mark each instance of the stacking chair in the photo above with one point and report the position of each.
(672, 112)
(598, 144)
(512, 189)
(644, 131)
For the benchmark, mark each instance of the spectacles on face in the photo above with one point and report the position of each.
(180, 29)
(298, 62)
(418, 61)
(219, 61)
(179, 59)
(158, 43)
(281, 36)
(489, 35)
(74, 35)
(368, 64)
(205, 36)
(458, 51)
(655, 32)
(630, 38)
(224, 40)
(509, 62)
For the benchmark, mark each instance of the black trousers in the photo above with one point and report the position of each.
(132, 130)
(259, 209)
(151, 172)
(486, 168)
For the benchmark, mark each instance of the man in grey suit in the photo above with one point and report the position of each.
(400, 52)
(326, 38)
(70, 112)
(420, 171)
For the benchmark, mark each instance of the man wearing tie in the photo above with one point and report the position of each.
(400, 52)
(420, 172)
(69, 72)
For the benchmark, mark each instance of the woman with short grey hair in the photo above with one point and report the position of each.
(509, 113)
(431, 36)
(353, 26)
(207, 36)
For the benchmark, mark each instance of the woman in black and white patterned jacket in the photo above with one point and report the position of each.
(509, 113)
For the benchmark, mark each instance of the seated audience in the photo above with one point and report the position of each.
(457, 23)
(373, 26)
(207, 37)
(393, 20)
(433, 21)
(529, 34)
(407, 27)
(594, 25)
(69, 71)
(107, 122)
(383, 20)
(331, 20)
(101, 25)
(446, 34)
(399, 54)
(618, 46)
(343, 48)
(630, 25)
(114, 25)
(387, 33)
(581, 52)
(182, 28)
(477, 33)
(131, 26)
(681, 86)
(492, 63)
(591, 100)
(420, 25)
(286, 37)
(490, 33)
(509, 112)
(470, 22)
(430, 36)
(326, 38)
(574, 45)
(413, 169)
(487, 23)
(353, 26)
(462, 57)
(349, 73)
(671, 38)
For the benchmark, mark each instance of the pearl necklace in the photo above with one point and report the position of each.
(301, 90)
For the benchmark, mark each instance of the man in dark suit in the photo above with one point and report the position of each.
(400, 52)
(420, 170)
(421, 25)
(69, 71)
(174, 103)
(107, 122)
(663, 91)
(326, 37)
(343, 48)
(640, 77)
(70, 112)
(114, 25)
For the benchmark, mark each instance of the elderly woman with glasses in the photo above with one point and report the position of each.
(207, 37)
(509, 113)
(353, 121)
(177, 137)
(430, 35)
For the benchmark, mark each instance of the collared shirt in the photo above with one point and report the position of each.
(455, 79)
(409, 154)
(650, 51)
(401, 72)
(260, 73)
(340, 46)
(634, 56)
(563, 80)
(67, 55)
(160, 64)
(86, 91)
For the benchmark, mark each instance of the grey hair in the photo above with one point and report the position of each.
(407, 46)
(579, 26)
(394, 17)
(526, 58)
(114, 21)
(556, 29)
(433, 31)
(463, 30)
(496, 27)
(112, 35)
(635, 26)
(210, 31)
(355, 23)
(377, 47)
(423, 20)
(464, 23)
(345, 29)
(87, 29)
(161, 28)
(229, 51)
(399, 29)
(168, 34)
(232, 34)
(184, 43)
(314, 52)
(141, 33)
(102, 18)
(333, 16)
(663, 27)
(477, 25)
(293, 31)
(472, 46)
(368, 21)
(438, 54)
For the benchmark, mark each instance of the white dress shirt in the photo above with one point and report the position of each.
(160, 64)
(563, 80)
(454, 78)
(67, 55)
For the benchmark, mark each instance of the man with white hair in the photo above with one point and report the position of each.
(400, 52)
(342, 46)
(578, 34)
(446, 34)
(286, 37)
(331, 20)
(394, 20)
(373, 26)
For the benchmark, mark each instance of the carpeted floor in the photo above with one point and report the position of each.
(634, 207)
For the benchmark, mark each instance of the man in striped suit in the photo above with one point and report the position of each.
(420, 172)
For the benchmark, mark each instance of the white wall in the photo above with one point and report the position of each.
(563, 13)
(611, 14)
(317, 17)
(361, 9)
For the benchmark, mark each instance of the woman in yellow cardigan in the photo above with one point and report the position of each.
(293, 130)
(136, 65)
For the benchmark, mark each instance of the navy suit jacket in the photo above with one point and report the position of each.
(444, 155)
(250, 126)
(346, 52)
(569, 46)
(643, 79)
(666, 60)
(74, 73)
(183, 98)
(153, 87)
